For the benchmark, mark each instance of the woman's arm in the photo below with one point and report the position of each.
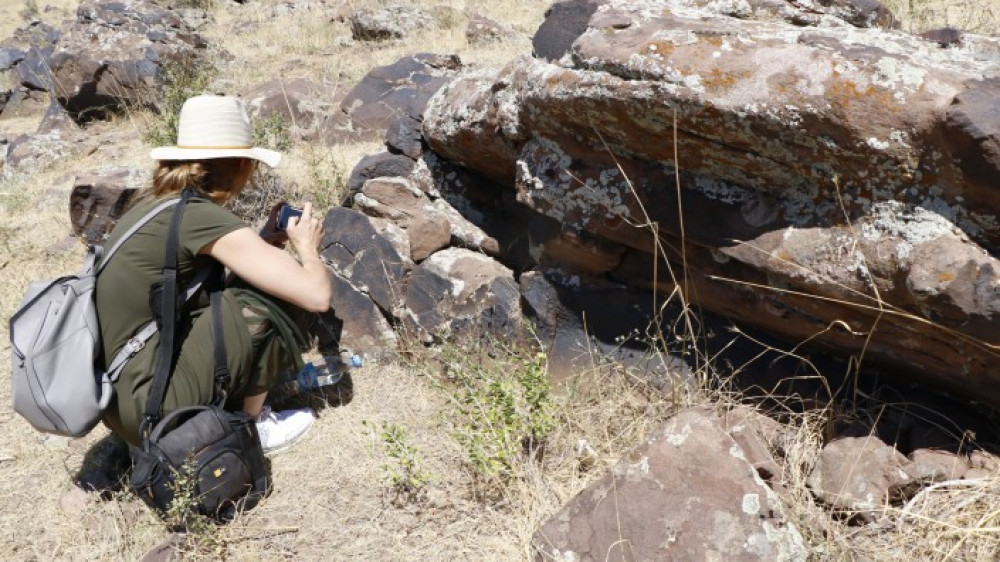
(274, 271)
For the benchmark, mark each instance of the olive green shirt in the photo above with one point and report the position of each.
(123, 308)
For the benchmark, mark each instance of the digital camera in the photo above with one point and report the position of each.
(284, 213)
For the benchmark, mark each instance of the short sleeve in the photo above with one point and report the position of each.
(205, 222)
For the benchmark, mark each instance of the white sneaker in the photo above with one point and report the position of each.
(280, 430)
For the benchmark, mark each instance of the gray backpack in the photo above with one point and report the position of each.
(55, 340)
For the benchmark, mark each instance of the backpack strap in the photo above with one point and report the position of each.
(97, 253)
(136, 343)
(221, 361)
(168, 317)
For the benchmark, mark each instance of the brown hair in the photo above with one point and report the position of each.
(213, 178)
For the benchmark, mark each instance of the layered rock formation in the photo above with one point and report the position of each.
(798, 166)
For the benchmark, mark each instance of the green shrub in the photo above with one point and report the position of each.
(502, 408)
(407, 477)
(182, 79)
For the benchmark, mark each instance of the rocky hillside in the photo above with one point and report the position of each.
(775, 217)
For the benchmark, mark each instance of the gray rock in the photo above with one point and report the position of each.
(393, 22)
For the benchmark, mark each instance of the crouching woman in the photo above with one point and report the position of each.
(264, 306)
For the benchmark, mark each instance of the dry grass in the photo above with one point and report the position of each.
(333, 497)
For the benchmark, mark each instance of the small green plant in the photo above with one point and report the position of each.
(407, 476)
(202, 534)
(503, 407)
(271, 131)
(326, 178)
(182, 79)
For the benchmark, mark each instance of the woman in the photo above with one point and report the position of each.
(214, 156)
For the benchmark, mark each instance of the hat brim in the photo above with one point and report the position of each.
(269, 157)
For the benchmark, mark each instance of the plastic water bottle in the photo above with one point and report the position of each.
(313, 376)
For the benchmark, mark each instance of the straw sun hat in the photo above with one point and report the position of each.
(214, 127)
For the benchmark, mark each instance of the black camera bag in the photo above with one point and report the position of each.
(217, 452)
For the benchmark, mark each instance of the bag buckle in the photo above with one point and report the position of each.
(135, 345)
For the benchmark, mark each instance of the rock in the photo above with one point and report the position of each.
(428, 229)
(404, 137)
(393, 22)
(383, 164)
(943, 36)
(364, 329)
(305, 109)
(484, 30)
(99, 199)
(856, 475)
(399, 89)
(355, 248)
(461, 291)
(125, 68)
(579, 319)
(74, 502)
(863, 188)
(757, 435)
(56, 118)
(34, 70)
(935, 465)
(9, 57)
(564, 22)
(660, 503)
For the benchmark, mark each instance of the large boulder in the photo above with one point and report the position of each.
(113, 55)
(687, 493)
(836, 177)
(398, 91)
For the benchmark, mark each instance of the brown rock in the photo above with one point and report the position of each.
(834, 195)
(428, 234)
(935, 465)
(660, 503)
(99, 199)
(856, 474)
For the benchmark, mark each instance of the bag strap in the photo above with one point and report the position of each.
(218, 338)
(102, 258)
(168, 317)
(135, 344)
(168, 308)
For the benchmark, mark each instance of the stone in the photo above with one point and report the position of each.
(399, 89)
(357, 251)
(564, 22)
(393, 22)
(935, 465)
(125, 68)
(404, 137)
(99, 198)
(848, 176)
(382, 164)
(659, 503)
(484, 30)
(856, 474)
(460, 291)
(363, 327)
(305, 109)
(9, 57)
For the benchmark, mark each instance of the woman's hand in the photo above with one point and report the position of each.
(304, 282)
(305, 232)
